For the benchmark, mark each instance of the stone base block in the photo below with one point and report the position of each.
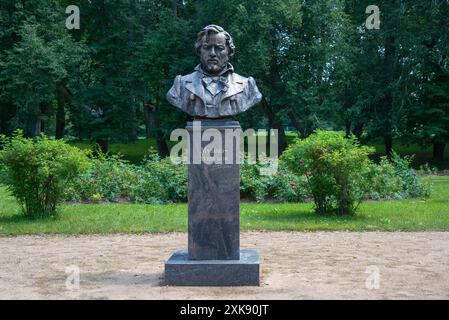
(179, 271)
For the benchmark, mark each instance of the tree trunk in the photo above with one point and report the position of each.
(274, 123)
(147, 109)
(60, 116)
(42, 128)
(2, 119)
(33, 122)
(270, 110)
(296, 122)
(438, 151)
(152, 124)
(174, 5)
(282, 137)
(132, 123)
(162, 147)
(348, 127)
(98, 112)
(103, 144)
(33, 127)
(388, 142)
(386, 103)
(358, 130)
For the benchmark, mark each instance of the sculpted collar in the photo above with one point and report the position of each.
(228, 68)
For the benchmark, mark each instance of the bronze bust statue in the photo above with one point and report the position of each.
(214, 90)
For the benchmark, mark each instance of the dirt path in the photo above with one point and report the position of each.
(294, 265)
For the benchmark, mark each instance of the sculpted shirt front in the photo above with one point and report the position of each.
(214, 96)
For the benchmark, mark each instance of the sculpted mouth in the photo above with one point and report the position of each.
(212, 61)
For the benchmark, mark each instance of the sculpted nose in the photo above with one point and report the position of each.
(212, 52)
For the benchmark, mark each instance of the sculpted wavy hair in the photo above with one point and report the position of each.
(212, 28)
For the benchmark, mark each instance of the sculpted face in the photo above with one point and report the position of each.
(214, 53)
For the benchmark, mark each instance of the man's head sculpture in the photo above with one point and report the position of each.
(213, 90)
(214, 46)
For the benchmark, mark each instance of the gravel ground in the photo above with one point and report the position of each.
(294, 265)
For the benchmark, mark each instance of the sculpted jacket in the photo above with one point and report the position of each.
(236, 94)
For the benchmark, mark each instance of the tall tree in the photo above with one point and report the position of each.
(37, 54)
(428, 116)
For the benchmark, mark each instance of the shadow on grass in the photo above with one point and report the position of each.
(305, 216)
(21, 218)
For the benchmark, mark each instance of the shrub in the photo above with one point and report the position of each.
(395, 179)
(160, 181)
(384, 182)
(112, 178)
(427, 170)
(411, 186)
(288, 187)
(36, 171)
(253, 185)
(283, 186)
(335, 167)
(109, 178)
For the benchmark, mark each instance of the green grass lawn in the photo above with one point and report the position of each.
(404, 215)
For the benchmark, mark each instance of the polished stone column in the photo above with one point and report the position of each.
(214, 195)
(213, 257)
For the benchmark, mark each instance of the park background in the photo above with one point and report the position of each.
(315, 62)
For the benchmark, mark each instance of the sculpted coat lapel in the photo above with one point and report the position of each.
(239, 94)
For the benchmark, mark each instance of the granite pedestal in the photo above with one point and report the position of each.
(181, 271)
(213, 257)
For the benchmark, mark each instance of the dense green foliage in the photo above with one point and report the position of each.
(336, 169)
(340, 175)
(37, 171)
(316, 63)
(157, 180)
(395, 180)
(283, 186)
(332, 170)
(113, 179)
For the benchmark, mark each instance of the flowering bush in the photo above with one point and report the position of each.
(336, 169)
(37, 171)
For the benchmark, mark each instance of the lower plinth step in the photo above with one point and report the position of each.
(179, 271)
